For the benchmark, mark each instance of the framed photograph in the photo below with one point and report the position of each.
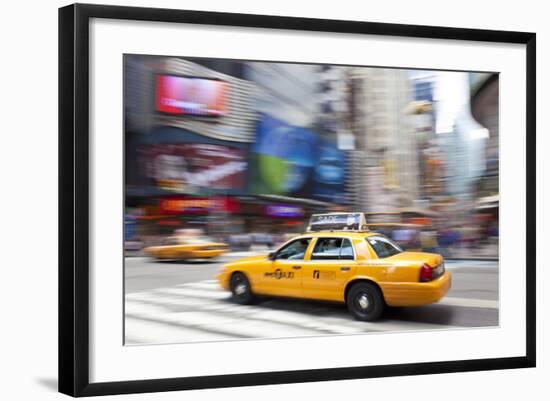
(253, 199)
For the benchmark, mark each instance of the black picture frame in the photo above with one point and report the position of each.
(74, 194)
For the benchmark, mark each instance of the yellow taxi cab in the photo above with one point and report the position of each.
(339, 259)
(186, 246)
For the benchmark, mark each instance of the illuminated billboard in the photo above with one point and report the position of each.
(283, 158)
(190, 96)
(195, 167)
(330, 174)
(294, 161)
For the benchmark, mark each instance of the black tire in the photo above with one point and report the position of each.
(365, 302)
(240, 289)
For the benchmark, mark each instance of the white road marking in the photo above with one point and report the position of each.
(462, 264)
(203, 285)
(181, 292)
(468, 302)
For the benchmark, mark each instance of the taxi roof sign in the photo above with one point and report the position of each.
(338, 222)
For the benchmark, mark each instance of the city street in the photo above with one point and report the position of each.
(172, 302)
(246, 153)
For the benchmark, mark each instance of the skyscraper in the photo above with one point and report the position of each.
(385, 134)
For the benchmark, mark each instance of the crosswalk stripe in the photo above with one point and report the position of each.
(451, 301)
(227, 325)
(272, 323)
(253, 313)
(202, 311)
(208, 286)
(141, 332)
(192, 292)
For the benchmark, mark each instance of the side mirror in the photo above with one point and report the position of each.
(272, 255)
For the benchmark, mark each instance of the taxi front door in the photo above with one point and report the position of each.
(329, 267)
(284, 276)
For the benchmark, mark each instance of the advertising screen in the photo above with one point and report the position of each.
(330, 174)
(191, 96)
(336, 221)
(284, 157)
(195, 167)
(295, 161)
(283, 211)
(178, 204)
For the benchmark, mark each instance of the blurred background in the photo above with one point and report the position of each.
(242, 153)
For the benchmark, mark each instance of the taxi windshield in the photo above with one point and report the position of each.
(383, 247)
(198, 240)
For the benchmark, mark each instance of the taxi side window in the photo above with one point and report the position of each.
(383, 247)
(332, 249)
(346, 252)
(170, 241)
(295, 250)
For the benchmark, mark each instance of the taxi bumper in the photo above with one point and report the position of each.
(416, 294)
(223, 278)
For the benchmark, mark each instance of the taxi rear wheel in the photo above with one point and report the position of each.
(365, 302)
(240, 289)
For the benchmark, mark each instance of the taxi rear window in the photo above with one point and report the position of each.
(333, 249)
(383, 247)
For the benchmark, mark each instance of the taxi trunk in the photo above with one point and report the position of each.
(431, 259)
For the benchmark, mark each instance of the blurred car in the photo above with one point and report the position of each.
(240, 242)
(183, 247)
(133, 245)
(263, 239)
(340, 260)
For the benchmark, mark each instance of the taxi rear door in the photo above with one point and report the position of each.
(331, 263)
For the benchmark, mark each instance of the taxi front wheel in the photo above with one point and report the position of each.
(240, 289)
(365, 302)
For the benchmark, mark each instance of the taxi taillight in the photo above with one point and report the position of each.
(426, 273)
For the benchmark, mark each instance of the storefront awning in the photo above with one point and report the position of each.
(489, 199)
(420, 212)
(488, 202)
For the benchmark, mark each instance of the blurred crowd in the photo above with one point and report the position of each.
(473, 240)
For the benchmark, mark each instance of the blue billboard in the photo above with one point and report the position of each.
(330, 174)
(294, 161)
(283, 159)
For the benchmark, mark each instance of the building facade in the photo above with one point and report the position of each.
(384, 132)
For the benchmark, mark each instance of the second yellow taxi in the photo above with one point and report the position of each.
(185, 245)
(338, 259)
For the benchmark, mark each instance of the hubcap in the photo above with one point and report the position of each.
(240, 289)
(363, 301)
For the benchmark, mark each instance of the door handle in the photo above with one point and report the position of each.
(345, 268)
(296, 267)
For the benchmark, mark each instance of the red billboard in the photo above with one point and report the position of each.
(191, 96)
(192, 205)
(195, 167)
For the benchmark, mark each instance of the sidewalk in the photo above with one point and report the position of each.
(254, 250)
(486, 252)
(489, 252)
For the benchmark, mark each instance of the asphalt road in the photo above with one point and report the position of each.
(171, 302)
